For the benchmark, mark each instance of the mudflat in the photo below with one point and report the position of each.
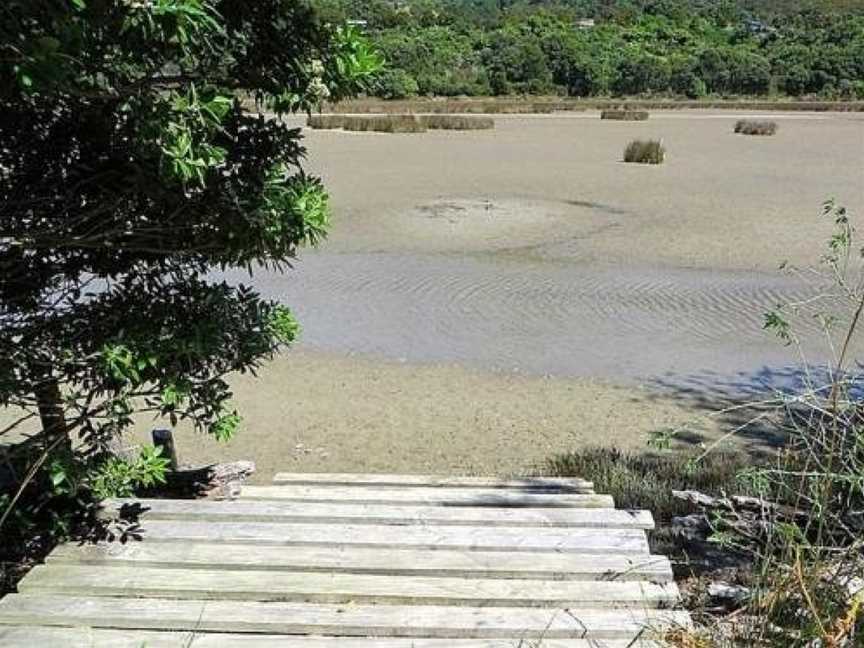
(555, 187)
(488, 299)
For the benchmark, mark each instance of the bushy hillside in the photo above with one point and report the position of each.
(691, 48)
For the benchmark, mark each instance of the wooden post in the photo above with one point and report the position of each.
(52, 416)
(165, 439)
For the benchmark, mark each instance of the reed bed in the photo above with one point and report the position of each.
(457, 122)
(404, 123)
(374, 123)
(320, 122)
(624, 115)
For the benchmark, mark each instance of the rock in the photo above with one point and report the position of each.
(691, 527)
(726, 592)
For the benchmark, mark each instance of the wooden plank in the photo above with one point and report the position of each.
(602, 541)
(292, 512)
(340, 588)
(360, 560)
(559, 484)
(46, 637)
(349, 620)
(428, 495)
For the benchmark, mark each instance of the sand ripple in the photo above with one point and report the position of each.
(534, 316)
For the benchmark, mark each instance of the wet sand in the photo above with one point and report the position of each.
(313, 412)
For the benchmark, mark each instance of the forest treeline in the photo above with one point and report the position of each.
(586, 48)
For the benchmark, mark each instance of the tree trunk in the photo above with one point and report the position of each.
(54, 430)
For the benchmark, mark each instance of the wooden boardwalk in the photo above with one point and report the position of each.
(359, 561)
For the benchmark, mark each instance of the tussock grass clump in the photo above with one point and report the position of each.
(376, 123)
(624, 115)
(457, 122)
(749, 127)
(645, 152)
(325, 121)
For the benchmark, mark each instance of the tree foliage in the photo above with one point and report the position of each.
(136, 160)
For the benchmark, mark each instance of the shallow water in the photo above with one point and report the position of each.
(619, 323)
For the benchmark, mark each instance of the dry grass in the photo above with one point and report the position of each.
(376, 123)
(624, 115)
(457, 122)
(541, 105)
(646, 480)
(645, 152)
(749, 127)
(451, 106)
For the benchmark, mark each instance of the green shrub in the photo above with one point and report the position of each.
(748, 127)
(645, 152)
(395, 84)
(624, 115)
(646, 480)
(457, 122)
(119, 477)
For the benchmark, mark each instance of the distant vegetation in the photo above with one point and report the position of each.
(645, 152)
(589, 48)
(624, 115)
(747, 127)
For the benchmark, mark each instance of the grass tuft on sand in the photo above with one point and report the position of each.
(645, 152)
(751, 127)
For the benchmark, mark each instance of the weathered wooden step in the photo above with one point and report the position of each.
(602, 541)
(427, 495)
(341, 588)
(361, 560)
(42, 637)
(293, 512)
(350, 620)
(557, 484)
